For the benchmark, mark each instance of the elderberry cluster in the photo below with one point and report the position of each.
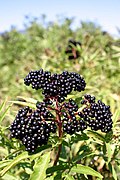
(33, 128)
(55, 85)
(71, 49)
(96, 114)
(71, 123)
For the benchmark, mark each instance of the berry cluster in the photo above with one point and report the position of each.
(56, 85)
(33, 128)
(71, 49)
(70, 122)
(96, 114)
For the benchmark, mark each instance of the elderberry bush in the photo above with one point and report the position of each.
(54, 114)
(71, 49)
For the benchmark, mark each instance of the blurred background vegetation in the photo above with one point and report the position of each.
(42, 45)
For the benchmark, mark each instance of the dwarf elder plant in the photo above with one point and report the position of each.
(48, 131)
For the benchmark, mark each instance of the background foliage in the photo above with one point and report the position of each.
(42, 45)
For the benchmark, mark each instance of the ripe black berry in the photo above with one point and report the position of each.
(33, 127)
(56, 85)
(97, 114)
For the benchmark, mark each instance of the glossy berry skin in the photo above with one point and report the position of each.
(97, 114)
(56, 85)
(71, 122)
(32, 128)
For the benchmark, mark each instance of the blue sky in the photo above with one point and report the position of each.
(104, 12)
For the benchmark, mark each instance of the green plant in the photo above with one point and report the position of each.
(33, 127)
(43, 45)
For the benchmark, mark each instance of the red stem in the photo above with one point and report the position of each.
(55, 109)
(58, 118)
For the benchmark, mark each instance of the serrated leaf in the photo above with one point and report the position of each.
(15, 161)
(85, 170)
(40, 167)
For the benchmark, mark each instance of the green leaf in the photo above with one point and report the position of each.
(108, 136)
(69, 177)
(116, 48)
(99, 138)
(9, 176)
(3, 151)
(63, 156)
(15, 161)
(65, 143)
(81, 137)
(4, 113)
(31, 105)
(116, 117)
(82, 156)
(50, 178)
(2, 105)
(109, 151)
(85, 170)
(104, 148)
(4, 163)
(28, 170)
(39, 151)
(57, 168)
(29, 100)
(40, 167)
(58, 176)
(114, 173)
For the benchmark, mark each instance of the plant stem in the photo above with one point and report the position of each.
(60, 133)
(58, 154)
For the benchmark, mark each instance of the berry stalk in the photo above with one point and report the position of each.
(59, 132)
